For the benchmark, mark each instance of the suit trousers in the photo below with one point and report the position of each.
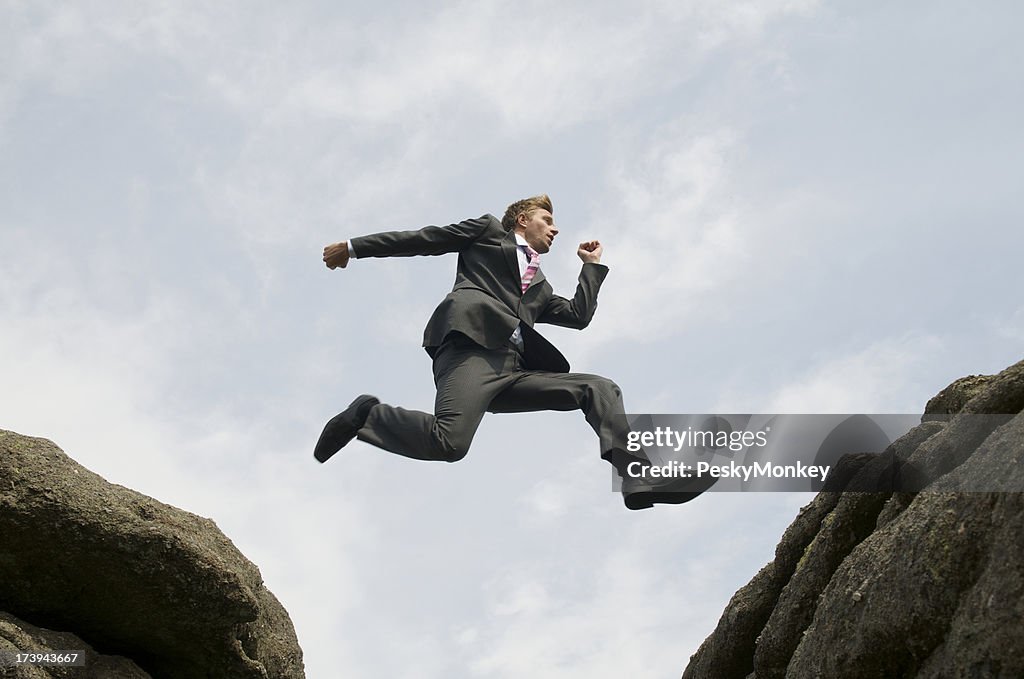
(472, 380)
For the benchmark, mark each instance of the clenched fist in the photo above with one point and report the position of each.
(336, 254)
(590, 251)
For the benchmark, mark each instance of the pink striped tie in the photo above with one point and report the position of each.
(531, 267)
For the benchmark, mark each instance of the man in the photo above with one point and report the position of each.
(487, 357)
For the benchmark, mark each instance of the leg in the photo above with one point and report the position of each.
(601, 402)
(467, 377)
(599, 398)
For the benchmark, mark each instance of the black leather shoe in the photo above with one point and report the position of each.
(342, 427)
(643, 492)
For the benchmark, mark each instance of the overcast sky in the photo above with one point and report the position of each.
(805, 207)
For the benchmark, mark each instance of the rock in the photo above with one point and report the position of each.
(922, 584)
(729, 651)
(18, 636)
(132, 576)
(953, 398)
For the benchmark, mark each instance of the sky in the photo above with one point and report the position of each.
(804, 206)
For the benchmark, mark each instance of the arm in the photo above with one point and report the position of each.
(430, 240)
(577, 312)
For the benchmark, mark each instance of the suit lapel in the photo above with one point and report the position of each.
(508, 247)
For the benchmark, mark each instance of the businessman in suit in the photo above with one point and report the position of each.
(487, 356)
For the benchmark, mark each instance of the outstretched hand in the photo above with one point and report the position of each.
(336, 254)
(590, 252)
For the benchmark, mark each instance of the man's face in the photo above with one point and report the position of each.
(538, 228)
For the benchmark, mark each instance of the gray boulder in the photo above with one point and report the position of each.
(892, 583)
(18, 636)
(132, 576)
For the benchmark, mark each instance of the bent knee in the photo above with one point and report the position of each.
(605, 385)
(455, 454)
(452, 452)
(450, 438)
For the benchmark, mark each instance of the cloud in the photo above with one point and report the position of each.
(886, 376)
(96, 375)
(599, 628)
(1012, 327)
(682, 239)
(288, 130)
(319, 124)
(638, 606)
(533, 64)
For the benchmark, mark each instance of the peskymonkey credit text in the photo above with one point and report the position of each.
(732, 470)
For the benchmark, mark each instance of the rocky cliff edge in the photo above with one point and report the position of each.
(869, 582)
(144, 588)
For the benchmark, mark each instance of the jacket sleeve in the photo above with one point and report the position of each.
(577, 312)
(430, 240)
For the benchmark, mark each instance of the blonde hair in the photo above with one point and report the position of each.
(527, 205)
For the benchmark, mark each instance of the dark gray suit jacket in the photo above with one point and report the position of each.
(487, 301)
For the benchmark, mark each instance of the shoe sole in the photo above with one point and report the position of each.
(339, 431)
(330, 442)
(646, 500)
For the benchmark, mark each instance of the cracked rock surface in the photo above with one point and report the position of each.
(871, 582)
